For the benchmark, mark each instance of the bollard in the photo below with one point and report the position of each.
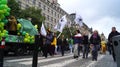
(116, 46)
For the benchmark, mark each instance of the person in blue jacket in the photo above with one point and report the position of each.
(77, 39)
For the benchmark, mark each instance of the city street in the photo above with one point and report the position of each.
(60, 61)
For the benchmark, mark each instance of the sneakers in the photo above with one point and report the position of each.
(75, 56)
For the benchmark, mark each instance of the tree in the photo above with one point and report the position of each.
(15, 8)
(34, 14)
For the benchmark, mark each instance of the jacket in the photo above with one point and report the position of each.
(54, 41)
(77, 39)
(112, 34)
(95, 41)
(49, 39)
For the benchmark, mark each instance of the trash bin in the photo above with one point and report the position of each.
(116, 46)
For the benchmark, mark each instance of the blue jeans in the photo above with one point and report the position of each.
(85, 50)
(95, 52)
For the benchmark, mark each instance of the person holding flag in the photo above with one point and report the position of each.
(48, 40)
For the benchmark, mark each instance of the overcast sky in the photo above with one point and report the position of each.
(98, 14)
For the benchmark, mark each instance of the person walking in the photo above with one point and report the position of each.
(95, 43)
(53, 44)
(47, 45)
(113, 33)
(63, 43)
(70, 41)
(85, 45)
(77, 40)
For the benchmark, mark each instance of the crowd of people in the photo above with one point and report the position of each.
(79, 42)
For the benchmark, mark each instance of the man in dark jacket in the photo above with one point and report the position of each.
(63, 43)
(112, 34)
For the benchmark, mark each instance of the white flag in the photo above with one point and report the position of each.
(62, 22)
(78, 20)
(43, 31)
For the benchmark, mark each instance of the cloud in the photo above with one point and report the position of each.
(105, 24)
(98, 14)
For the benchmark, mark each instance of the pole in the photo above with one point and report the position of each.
(59, 35)
(35, 52)
(2, 46)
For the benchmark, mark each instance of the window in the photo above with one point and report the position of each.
(34, 2)
(39, 4)
(48, 17)
(43, 14)
(51, 11)
(44, 7)
(55, 13)
(51, 19)
(58, 15)
(48, 10)
(27, 6)
(55, 21)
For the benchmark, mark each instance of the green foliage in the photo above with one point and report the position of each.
(15, 8)
(26, 13)
(34, 14)
(67, 32)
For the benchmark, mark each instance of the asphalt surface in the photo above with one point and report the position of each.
(104, 60)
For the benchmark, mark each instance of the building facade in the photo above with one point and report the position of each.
(52, 12)
(82, 29)
(50, 9)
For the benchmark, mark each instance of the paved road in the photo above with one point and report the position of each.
(61, 61)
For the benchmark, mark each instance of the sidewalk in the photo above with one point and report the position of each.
(104, 61)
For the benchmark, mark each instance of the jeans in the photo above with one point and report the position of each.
(85, 50)
(95, 52)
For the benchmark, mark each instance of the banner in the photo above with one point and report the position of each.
(78, 20)
(43, 31)
(62, 22)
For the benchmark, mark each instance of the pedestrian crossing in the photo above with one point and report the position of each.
(55, 61)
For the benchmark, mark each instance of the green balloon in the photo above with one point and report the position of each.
(7, 14)
(6, 39)
(6, 35)
(23, 33)
(2, 12)
(2, 16)
(3, 1)
(2, 34)
(5, 21)
(2, 24)
(1, 7)
(8, 9)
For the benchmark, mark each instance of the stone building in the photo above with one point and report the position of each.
(82, 29)
(50, 9)
(53, 12)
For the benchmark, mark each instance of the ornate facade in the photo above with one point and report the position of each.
(50, 9)
(52, 12)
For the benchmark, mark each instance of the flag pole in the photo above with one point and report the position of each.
(59, 35)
